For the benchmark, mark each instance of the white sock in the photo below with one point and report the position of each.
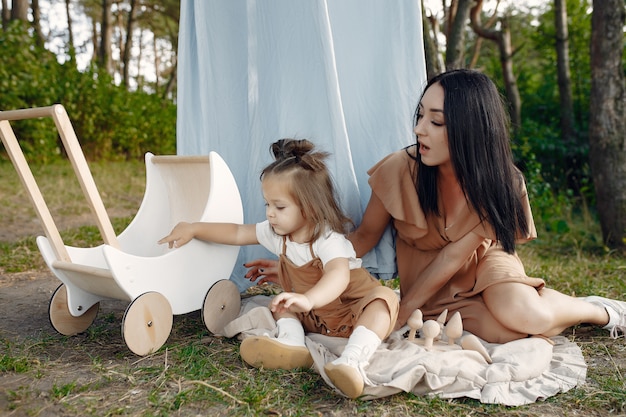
(360, 347)
(290, 331)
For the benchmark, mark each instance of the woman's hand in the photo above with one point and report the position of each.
(290, 302)
(180, 235)
(265, 269)
(405, 311)
(437, 274)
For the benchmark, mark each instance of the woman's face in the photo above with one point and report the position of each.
(431, 131)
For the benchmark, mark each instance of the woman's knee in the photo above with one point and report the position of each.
(519, 308)
(491, 330)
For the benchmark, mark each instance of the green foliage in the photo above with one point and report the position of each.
(9, 363)
(564, 167)
(110, 122)
(20, 256)
(564, 164)
(59, 392)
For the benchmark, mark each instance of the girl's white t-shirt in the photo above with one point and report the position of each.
(328, 246)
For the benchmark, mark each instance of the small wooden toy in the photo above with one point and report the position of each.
(415, 323)
(442, 322)
(471, 342)
(454, 329)
(431, 331)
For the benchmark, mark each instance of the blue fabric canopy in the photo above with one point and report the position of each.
(345, 74)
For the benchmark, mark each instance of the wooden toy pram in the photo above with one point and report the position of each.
(157, 282)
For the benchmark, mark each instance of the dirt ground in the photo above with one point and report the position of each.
(24, 297)
(24, 300)
(24, 319)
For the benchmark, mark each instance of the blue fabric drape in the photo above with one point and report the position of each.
(345, 74)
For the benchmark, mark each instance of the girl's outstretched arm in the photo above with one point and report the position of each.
(225, 233)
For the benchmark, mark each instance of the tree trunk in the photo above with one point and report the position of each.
(607, 119)
(6, 14)
(140, 78)
(19, 10)
(106, 33)
(568, 131)
(95, 56)
(431, 51)
(455, 42)
(510, 81)
(70, 31)
(128, 44)
(119, 28)
(502, 38)
(439, 65)
(39, 38)
(478, 43)
(156, 64)
(171, 82)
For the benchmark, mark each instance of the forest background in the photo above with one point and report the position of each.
(122, 98)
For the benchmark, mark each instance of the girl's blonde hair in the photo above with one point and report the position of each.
(310, 183)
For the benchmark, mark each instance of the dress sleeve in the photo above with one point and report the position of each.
(392, 181)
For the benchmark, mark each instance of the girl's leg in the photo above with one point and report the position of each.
(376, 317)
(287, 351)
(524, 309)
(290, 330)
(371, 327)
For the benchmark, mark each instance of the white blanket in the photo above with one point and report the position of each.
(521, 372)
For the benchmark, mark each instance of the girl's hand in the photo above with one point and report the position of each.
(265, 269)
(290, 302)
(180, 235)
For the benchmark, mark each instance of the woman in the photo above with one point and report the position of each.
(459, 207)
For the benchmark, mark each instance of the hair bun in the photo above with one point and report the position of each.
(291, 148)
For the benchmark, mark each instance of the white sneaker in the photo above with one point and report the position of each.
(617, 314)
(270, 353)
(344, 374)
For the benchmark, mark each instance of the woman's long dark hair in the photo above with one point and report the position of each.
(478, 137)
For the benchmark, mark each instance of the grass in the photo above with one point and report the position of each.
(195, 373)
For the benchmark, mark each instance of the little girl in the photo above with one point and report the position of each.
(325, 288)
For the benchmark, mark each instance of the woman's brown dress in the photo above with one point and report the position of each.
(419, 240)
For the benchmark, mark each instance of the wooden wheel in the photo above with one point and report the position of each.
(221, 305)
(147, 323)
(61, 318)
